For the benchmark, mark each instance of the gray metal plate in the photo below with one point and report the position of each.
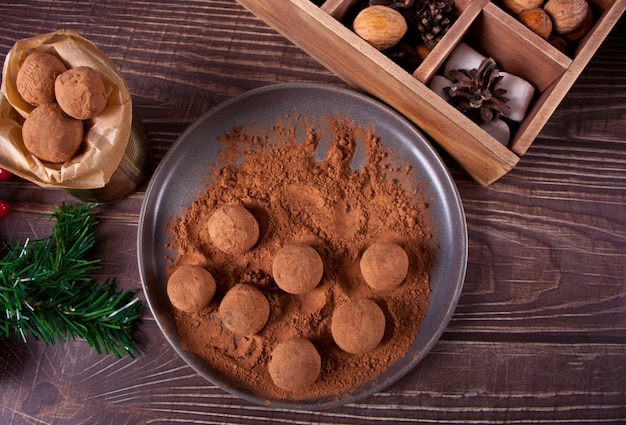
(184, 173)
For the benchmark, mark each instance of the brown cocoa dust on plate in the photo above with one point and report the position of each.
(335, 188)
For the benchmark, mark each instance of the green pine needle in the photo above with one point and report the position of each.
(46, 289)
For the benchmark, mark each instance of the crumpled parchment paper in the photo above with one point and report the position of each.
(106, 135)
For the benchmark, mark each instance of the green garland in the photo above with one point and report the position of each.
(45, 289)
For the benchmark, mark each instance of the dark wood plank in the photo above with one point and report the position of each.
(550, 236)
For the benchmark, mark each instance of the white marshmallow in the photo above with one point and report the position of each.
(519, 92)
(462, 57)
(437, 85)
(499, 130)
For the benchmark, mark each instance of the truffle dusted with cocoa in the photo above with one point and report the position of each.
(358, 326)
(81, 93)
(35, 78)
(297, 268)
(233, 229)
(384, 265)
(191, 288)
(295, 364)
(244, 310)
(51, 135)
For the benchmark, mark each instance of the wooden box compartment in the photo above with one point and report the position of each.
(319, 29)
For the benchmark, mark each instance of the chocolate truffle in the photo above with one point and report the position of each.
(51, 135)
(244, 310)
(191, 288)
(233, 229)
(358, 326)
(297, 268)
(80, 92)
(384, 265)
(35, 78)
(295, 364)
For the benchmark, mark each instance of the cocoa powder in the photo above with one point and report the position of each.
(301, 191)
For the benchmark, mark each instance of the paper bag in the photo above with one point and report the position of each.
(106, 135)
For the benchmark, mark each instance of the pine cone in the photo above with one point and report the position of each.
(475, 92)
(434, 20)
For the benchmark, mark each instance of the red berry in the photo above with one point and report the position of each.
(5, 209)
(5, 175)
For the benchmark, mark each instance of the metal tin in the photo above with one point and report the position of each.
(128, 175)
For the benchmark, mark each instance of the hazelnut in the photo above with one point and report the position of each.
(518, 6)
(381, 26)
(566, 14)
(422, 51)
(538, 21)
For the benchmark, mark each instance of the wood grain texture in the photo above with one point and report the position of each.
(539, 335)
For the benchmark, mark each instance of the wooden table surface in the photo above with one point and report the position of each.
(539, 334)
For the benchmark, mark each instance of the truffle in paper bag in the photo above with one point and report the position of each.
(106, 135)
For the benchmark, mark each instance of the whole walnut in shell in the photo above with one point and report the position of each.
(566, 15)
(581, 30)
(381, 26)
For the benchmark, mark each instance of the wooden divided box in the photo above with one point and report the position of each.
(321, 29)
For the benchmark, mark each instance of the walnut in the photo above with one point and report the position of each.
(381, 26)
(581, 30)
(566, 14)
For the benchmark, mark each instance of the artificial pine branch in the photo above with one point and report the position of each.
(46, 289)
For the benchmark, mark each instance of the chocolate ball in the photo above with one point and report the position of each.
(191, 288)
(35, 78)
(80, 92)
(384, 265)
(244, 310)
(358, 326)
(51, 135)
(295, 364)
(297, 268)
(233, 229)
